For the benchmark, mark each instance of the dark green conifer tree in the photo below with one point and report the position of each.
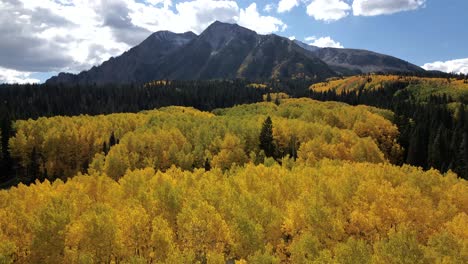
(207, 165)
(112, 140)
(266, 138)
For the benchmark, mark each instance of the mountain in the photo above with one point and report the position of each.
(227, 51)
(128, 67)
(355, 61)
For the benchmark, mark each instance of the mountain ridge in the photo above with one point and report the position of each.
(227, 51)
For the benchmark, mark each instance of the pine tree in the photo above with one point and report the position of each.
(112, 140)
(464, 146)
(266, 138)
(435, 156)
(105, 149)
(6, 131)
(462, 169)
(293, 147)
(207, 165)
(277, 101)
(417, 149)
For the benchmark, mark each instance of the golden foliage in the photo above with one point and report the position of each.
(186, 137)
(334, 211)
(420, 87)
(147, 200)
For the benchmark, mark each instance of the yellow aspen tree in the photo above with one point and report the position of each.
(202, 229)
(231, 152)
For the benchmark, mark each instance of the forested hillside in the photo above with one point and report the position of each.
(299, 181)
(420, 88)
(21, 102)
(430, 113)
(60, 147)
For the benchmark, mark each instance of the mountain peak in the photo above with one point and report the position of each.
(219, 27)
(219, 33)
(217, 22)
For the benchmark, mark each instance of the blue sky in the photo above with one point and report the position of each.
(42, 38)
(438, 31)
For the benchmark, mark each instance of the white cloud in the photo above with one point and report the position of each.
(332, 10)
(292, 38)
(269, 7)
(73, 35)
(323, 42)
(12, 76)
(250, 18)
(384, 7)
(456, 66)
(328, 10)
(199, 14)
(287, 5)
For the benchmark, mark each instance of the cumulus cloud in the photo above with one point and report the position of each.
(287, 5)
(200, 14)
(250, 18)
(116, 16)
(328, 10)
(12, 76)
(21, 48)
(332, 10)
(456, 66)
(73, 35)
(292, 38)
(323, 42)
(384, 7)
(44, 36)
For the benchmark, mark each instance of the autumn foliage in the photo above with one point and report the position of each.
(331, 212)
(136, 188)
(60, 147)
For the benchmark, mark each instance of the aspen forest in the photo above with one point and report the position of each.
(280, 181)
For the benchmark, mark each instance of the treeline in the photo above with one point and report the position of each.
(434, 130)
(331, 212)
(427, 74)
(33, 101)
(298, 129)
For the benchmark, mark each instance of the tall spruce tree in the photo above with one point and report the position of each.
(112, 140)
(266, 138)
